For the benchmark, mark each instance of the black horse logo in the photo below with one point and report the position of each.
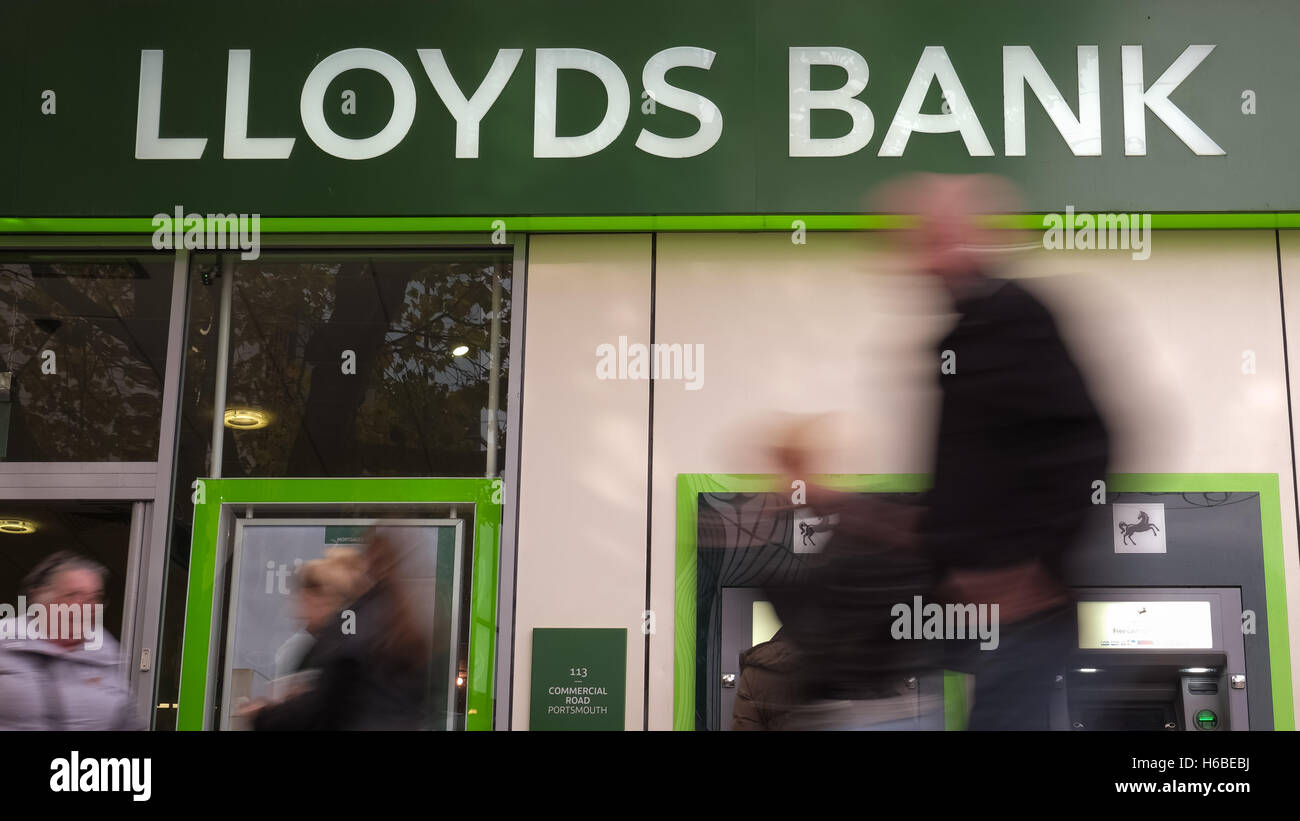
(1144, 524)
(807, 531)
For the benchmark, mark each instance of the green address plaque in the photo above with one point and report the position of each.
(579, 679)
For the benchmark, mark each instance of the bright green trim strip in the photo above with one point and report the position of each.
(684, 222)
(690, 485)
(203, 568)
(954, 700)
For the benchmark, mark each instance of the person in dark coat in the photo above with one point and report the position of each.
(374, 677)
(853, 673)
(768, 686)
(1020, 445)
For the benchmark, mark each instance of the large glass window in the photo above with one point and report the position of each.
(368, 364)
(340, 364)
(83, 345)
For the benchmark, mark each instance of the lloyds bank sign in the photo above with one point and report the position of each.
(593, 108)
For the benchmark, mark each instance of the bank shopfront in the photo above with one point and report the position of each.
(525, 278)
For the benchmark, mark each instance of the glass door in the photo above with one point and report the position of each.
(106, 538)
(270, 629)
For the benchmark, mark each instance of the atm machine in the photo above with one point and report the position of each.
(1155, 659)
(749, 619)
(1161, 641)
(1174, 628)
(747, 543)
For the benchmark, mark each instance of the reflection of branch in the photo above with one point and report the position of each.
(419, 429)
(1226, 500)
(88, 360)
(16, 275)
(280, 370)
(84, 308)
(417, 331)
(13, 315)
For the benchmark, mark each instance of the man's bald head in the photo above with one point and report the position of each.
(947, 238)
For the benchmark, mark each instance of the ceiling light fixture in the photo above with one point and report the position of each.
(247, 418)
(17, 526)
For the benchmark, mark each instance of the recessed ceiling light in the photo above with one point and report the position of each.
(247, 418)
(17, 526)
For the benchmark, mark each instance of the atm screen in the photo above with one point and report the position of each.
(1139, 625)
(766, 622)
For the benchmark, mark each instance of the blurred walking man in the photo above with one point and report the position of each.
(1020, 443)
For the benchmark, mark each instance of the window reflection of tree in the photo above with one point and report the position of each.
(106, 322)
(412, 408)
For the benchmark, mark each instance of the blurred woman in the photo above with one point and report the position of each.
(371, 659)
(395, 644)
(322, 588)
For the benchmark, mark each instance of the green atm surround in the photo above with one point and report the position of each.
(691, 485)
(222, 495)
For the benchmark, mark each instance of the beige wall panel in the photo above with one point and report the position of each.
(582, 495)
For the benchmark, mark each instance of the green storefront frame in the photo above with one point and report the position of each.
(485, 495)
(690, 485)
(144, 226)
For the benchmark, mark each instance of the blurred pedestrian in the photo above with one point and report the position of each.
(853, 673)
(371, 663)
(53, 678)
(322, 588)
(1020, 443)
(768, 686)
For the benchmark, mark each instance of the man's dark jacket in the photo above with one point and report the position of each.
(1020, 439)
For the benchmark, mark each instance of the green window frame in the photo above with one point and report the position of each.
(484, 495)
(619, 224)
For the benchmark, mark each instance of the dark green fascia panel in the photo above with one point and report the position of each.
(485, 494)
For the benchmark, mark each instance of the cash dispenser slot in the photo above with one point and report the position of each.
(1152, 660)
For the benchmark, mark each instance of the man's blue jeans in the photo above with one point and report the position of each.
(1014, 683)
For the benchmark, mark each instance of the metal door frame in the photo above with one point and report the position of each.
(147, 485)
